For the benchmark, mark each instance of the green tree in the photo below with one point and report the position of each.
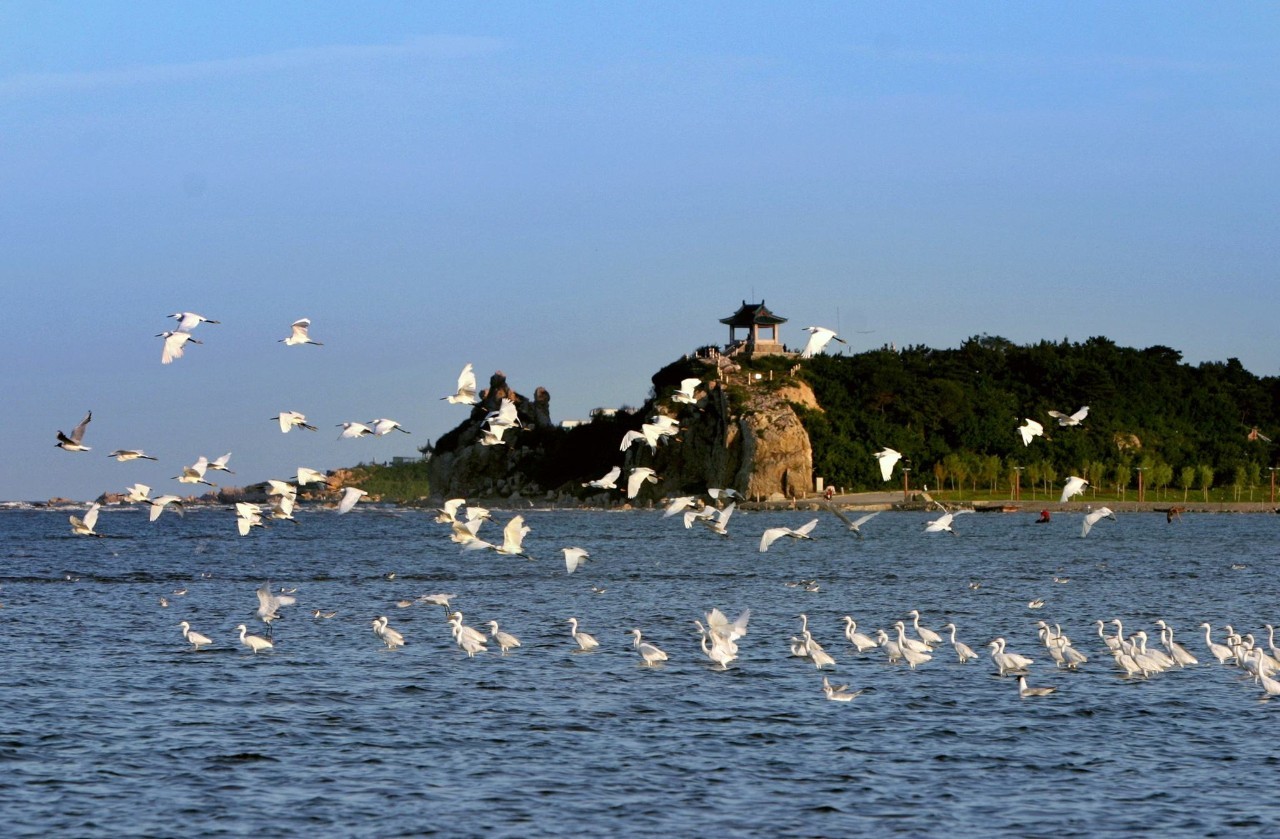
(990, 467)
(1034, 473)
(1205, 472)
(1186, 480)
(1253, 475)
(1123, 476)
(1095, 472)
(1239, 478)
(1049, 475)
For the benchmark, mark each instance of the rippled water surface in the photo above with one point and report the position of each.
(112, 725)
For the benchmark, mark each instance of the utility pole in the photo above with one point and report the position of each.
(1272, 470)
(1017, 482)
(1140, 495)
(906, 475)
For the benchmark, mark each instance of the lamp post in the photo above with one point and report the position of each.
(1017, 482)
(1140, 495)
(906, 475)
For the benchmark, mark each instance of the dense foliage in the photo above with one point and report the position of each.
(954, 413)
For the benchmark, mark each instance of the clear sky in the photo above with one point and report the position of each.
(576, 193)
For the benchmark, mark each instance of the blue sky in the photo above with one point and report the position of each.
(576, 193)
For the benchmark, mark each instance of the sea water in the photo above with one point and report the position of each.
(112, 725)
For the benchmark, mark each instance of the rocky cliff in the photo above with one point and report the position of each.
(740, 436)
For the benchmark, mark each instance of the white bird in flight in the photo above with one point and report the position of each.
(160, 502)
(292, 419)
(188, 321)
(943, 522)
(125, 455)
(386, 426)
(300, 334)
(1074, 419)
(574, 558)
(1095, 517)
(194, 474)
(220, 464)
(639, 475)
(137, 493)
(512, 540)
(466, 392)
(1073, 486)
(351, 430)
(773, 534)
(174, 345)
(350, 496)
(819, 337)
(609, 481)
(685, 393)
(888, 457)
(310, 476)
(854, 525)
(72, 443)
(84, 527)
(1029, 430)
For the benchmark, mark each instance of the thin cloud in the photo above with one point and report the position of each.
(433, 47)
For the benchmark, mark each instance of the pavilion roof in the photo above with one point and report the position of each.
(753, 313)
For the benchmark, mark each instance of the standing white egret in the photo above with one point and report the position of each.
(887, 458)
(963, 650)
(773, 534)
(1176, 650)
(574, 558)
(253, 642)
(927, 635)
(300, 334)
(125, 455)
(466, 392)
(470, 639)
(1074, 419)
(350, 497)
(648, 651)
(175, 343)
(861, 642)
(504, 640)
(195, 638)
(913, 644)
(391, 637)
(1093, 518)
(1073, 486)
(819, 337)
(584, 641)
(1029, 430)
(84, 527)
(1221, 652)
(72, 443)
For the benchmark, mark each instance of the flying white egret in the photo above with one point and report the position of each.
(716, 647)
(648, 651)
(504, 640)
(1074, 419)
(248, 516)
(1073, 486)
(437, 600)
(726, 492)
(161, 502)
(685, 393)
(639, 475)
(253, 642)
(718, 521)
(72, 443)
(1093, 518)
(492, 435)
(678, 505)
(888, 457)
(584, 641)
(447, 513)
(175, 344)
(1029, 430)
(943, 522)
(137, 493)
(608, 481)
(84, 527)
(300, 335)
(269, 604)
(507, 415)
(574, 557)
(649, 433)
(386, 426)
(310, 476)
(220, 464)
(194, 474)
(466, 392)
(188, 321)
(194, 638)
(350, 497)
(125, 455)
(292, 419)
(819, 337)
(773, 534)
(351, 430)
(854, 525)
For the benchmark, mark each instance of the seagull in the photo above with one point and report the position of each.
(174, 345)
(819, 337)
(72, 443)
(84, 527)
(386, 426)
(292, 419)
(188, 321)
(299, 334)
(853, 524)
(887, 458)
(1029, 430)
(649, 652)
(1025, 691)
(1093, 518)
(585, 641)
(773, 534)
(351, 430)
(124, 455)
(684, 393)
(197, 640)
(1074, 419)
(160, 502)
(1073, 486)
(269, 604)
(466, 393)
(839, 693)
(350, 497)
(574, 557)
(137, 492)
(253, 642)
(639, 475)
(609, 481)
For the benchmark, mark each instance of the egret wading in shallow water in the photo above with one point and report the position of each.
(504, 640)
(585, 642)
(195, 638)
(253, 642)
(392, 638)
(649, 652)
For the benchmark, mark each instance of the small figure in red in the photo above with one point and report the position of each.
(829, 493)
(1044, 517)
